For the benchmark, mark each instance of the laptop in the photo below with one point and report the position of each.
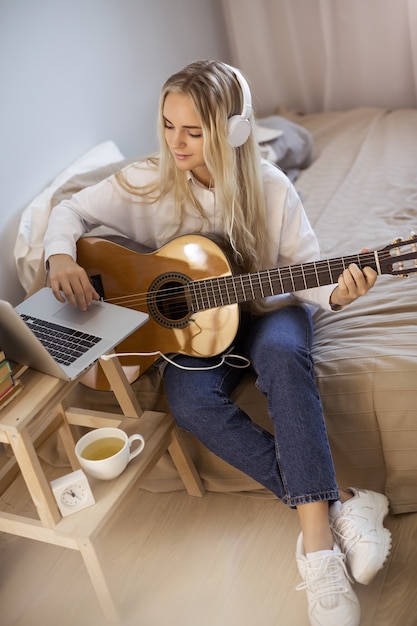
(60, 340)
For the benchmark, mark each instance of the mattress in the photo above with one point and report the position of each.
(361, 191)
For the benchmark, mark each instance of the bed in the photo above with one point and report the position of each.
(356, 171)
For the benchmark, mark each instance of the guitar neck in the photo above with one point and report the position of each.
(233, 289)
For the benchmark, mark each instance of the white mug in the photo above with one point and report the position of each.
(105, 452)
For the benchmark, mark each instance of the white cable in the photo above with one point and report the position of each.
(224, 359)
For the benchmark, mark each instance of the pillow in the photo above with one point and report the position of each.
(87, 179)
(28, 248)
(293, 148)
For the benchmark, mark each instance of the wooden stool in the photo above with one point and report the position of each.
(37, 412)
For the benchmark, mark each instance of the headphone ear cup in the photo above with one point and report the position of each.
(238, 130)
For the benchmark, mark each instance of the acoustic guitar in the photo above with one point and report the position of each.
(193, 297)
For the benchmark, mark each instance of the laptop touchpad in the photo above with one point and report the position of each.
(73, 315)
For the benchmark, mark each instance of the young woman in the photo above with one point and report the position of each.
(208, 178)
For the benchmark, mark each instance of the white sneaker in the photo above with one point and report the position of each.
(331, 600)
(358, 529)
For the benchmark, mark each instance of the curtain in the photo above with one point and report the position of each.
(320, 55)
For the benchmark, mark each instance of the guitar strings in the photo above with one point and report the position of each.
(246, 281)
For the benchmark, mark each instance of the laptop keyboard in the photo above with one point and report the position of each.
(66, 345)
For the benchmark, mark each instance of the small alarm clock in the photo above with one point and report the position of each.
(72, 492)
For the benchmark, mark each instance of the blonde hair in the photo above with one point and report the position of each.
(236, 173)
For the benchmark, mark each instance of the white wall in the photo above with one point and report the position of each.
(74, 74)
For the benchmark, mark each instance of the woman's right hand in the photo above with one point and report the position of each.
(69, 281)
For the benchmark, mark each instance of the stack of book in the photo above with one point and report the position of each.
(9, 386)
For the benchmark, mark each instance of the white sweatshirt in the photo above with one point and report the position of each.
(292, 240)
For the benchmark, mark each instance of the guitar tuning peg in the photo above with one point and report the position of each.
(413, 245)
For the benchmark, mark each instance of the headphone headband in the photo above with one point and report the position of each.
(239, 127)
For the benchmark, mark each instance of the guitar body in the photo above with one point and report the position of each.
(153, 282)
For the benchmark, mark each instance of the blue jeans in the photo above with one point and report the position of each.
(295, 463)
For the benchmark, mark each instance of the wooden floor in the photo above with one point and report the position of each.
(174, 560)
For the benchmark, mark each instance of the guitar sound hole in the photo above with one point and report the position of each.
(167, 300)
(171, 303)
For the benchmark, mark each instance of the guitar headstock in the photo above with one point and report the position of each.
(398, 258)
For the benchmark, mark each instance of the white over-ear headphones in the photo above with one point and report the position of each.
(238, 126)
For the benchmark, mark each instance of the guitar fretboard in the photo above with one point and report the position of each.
(232, 289)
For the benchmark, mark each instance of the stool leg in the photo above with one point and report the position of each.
(67, 439)
(185, 466)
(34, 476)
(95, 570)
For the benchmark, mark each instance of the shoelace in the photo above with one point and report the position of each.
(326, 579)
(346, 530)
